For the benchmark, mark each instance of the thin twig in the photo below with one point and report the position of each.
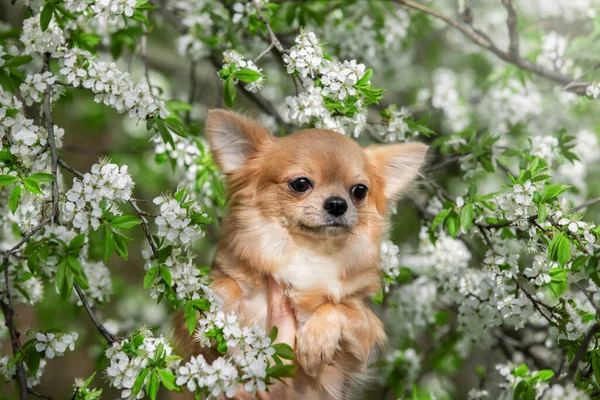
(587, 203)
(274, 40)
(264, 52)
(110, 338)
(535, 302)
(145, 227)
(9, 311)
(483, 40)
(70, 169)
(41, 396)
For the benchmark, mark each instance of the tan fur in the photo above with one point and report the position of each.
(270, 230)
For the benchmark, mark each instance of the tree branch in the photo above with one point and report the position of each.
(110, 338)
(513, 32)
(9, 311)
(482, 40)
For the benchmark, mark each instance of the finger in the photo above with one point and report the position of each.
(281, 314)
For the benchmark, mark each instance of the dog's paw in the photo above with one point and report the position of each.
(317, 344)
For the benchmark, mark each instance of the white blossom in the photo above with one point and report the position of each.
(106, 182)
(54, 344)
(306, 56)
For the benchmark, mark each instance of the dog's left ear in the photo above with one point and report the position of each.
(397, 164)
(234, 138)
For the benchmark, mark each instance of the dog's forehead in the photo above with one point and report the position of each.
(328, 154)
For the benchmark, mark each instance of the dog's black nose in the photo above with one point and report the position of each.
(335, 206)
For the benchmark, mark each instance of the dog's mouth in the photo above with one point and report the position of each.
(332, 228)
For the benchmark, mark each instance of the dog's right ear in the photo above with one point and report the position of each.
(234, 138)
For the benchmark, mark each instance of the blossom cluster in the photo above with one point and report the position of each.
(8, 371)
(176, 222)
(107, 182)
(126, 363)
(54, 344)
(306, 56)
(250, 364)
(112, 86)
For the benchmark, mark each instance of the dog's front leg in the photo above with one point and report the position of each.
(319, 338)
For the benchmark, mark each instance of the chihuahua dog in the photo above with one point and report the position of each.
(308, 210)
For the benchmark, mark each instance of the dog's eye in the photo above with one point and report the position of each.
(359, 191)
(300, 185)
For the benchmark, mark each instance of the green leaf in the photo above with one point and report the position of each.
(366, 77)
(109, 243)
(77, 242)
(166, 275)
(167, 379)
(201, 304)
(121, 244)
(378, 298)
(153, 386)
(46, 16)
(40, 177)
(559, 249)
(32, 186)
(284, 350)
(542, 213)
(524, 391)
(552, 191)
(452, 224)
(564, 251)
(247, 75)
(175, 105)
(164, 133)
(33, 361)
(558, 274)
(191, 318)
(229, 92)
(273, 334)
(521, 370)
(176, 126)
(281, 371)
(6, 180)
(466, 216)
(139, 381)
(150, 276)
(125, 222)
(440, 218)
(18, 61)
(15, 196)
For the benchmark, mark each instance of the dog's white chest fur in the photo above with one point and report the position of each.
(306, 270)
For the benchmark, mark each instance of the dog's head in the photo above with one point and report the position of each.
(314, 183)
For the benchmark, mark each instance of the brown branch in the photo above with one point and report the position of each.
(513, 32)
(274, 39)
(587, 203)
(41, 396)
(141, 214)
(110, 338)
(534, 301)
(482, 40)
(9, 311)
